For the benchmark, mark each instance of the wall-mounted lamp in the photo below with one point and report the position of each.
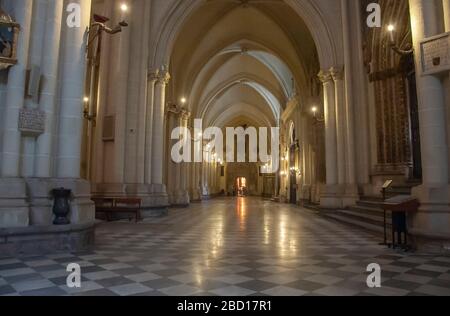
(393, 45)
(124, 7)
(317, 116)
(86, 113)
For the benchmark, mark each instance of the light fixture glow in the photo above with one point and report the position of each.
(314, 109)
(183, 100)
(124, 7)
(391, 28)
(86, 99)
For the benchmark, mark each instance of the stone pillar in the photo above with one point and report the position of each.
(15, 90)
(14, 210)
(338, 75)
(446, 6)
(184, 176)
(143, 119)
(159, 188)
(329, 198)
(349, 107)
(153, 76)
(119, 73)
(71, 102)
(172, 121)
(68, 156)
(205, 175)
(196, 187)
(431, 226)
(49, 69)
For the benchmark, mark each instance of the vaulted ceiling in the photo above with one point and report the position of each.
(241, 61)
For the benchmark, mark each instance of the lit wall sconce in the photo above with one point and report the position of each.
(88, 116)
(393, 45)
(317, 116)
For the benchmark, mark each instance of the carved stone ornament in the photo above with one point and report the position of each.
(9, 33)
(31, 122)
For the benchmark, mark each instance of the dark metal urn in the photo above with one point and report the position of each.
(61, 207)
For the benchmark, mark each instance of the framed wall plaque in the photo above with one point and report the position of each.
(9, 33)
(435, 52)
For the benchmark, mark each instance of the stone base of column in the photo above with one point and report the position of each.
(430, 226)
(179, 198)
(27, 227)
(350, 196)
(82, 209)
(195, 195)
(205, 193)
(39, 240)
(14, 209)
(331, 196)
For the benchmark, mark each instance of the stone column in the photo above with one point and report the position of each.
(205, 175)
(433, 219)
(196, 189)
(49, 69)
(172, 121)
(446, 5)
(71, 102)
(14, 210)
(40, 184)
(338, 75)
(144, 83)
(329, 197)
(158, 135)
(15, 92)
(119, 73)
(153, 76)
(184, 167)
(349, 100)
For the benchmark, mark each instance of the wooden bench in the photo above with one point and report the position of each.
(109, 206)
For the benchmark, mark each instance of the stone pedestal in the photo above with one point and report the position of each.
(331, 197)
(195, 195)
(180, 198)
(430, 226)
(350, 196)
(14, 210)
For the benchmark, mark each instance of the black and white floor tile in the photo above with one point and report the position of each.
(229, 247)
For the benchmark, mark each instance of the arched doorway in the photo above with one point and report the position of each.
(241, 186)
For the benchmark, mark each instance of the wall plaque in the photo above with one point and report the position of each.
(9, 33)
(32, 122)
(435, 54)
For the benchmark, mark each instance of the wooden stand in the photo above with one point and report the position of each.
(400, 206)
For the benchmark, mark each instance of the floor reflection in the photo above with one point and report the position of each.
(229, 246)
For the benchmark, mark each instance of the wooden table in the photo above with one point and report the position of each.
(400, 206)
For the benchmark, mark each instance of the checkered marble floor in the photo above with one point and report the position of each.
(229, 247)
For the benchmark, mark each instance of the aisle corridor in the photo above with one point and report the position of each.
(239, 247)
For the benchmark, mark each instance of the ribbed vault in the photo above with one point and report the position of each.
(229, 60)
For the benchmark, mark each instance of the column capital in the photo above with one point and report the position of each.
(153, 74)
(185, 114)
(325, 76)
(337, 73)
(163, 77)
(173, 109)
